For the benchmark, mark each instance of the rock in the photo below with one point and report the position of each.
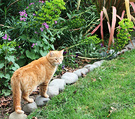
(29, 107)
(41, 101)
(113, 54)
(59, 83)
(90, 67)
(14, 115)
(98, 63)
(78, 72)
(69, 77)
(122, 51)
(53, 91)
(130, 46)
(84, 70)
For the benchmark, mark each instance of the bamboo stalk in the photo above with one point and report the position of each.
(79, 1)
(127, 9)
(132, 0)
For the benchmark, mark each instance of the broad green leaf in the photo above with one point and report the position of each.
(6, 92)
(10, 58)
(11, 49)
(7, 76)
(69, 16)
(30, 54)
(1, 75)
(1, 51)
(43, 53)
(45, 41)
(32, 40)
(39, 43)
(1, 65)
(23, 37)
(16, 66)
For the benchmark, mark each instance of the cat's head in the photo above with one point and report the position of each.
(55, 57)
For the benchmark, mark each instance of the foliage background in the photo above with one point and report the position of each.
(31, 28)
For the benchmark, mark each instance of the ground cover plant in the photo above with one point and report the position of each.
(107, 92)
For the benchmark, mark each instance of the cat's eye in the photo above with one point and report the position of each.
(56, 59)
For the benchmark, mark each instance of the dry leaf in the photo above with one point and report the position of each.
(112, 110)
(100, 79)
(93, 80)
(34, 118)
(83, 75)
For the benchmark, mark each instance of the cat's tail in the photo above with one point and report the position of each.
(16, 90)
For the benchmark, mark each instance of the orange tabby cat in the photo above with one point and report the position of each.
(36, 73)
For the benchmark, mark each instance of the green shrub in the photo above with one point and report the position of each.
(36, 27)
(50, 11)
(124, 33)
(76, 23)
(7, 62)
(87, 47)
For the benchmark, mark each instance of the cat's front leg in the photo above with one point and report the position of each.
(43, 89)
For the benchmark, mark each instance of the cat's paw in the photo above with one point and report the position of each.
(18, 111)
(30, 100)
(46, 96)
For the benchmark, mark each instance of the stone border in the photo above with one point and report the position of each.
(54, 88)
(58, 85)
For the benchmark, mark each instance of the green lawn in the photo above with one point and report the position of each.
(106, 92)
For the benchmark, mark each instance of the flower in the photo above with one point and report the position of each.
(31, 3)
(55, 22)
(27, 7)
(41, 1)
(41, 29)
(34, 14)
(22, 13)
(76, 55)
(25, 15)
(101, 44)
(64, 52)
(63, 66)
(5, 37)
(36, 32)
(46, 25)
(33, 45)
(19, 46)
(9, 39)
(23, 19)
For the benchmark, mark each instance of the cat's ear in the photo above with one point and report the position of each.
(51, 53)
(62, 51)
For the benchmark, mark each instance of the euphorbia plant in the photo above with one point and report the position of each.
(123, 35)
(37, 28)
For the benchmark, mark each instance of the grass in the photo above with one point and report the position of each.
(106, 92)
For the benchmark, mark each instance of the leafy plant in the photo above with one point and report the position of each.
(50, 11)
(117, 10)
(86, 48)
(123, 36)
(7, 61)
(36, 27)
(76, 23)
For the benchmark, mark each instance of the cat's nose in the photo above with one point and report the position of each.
(60, 63)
